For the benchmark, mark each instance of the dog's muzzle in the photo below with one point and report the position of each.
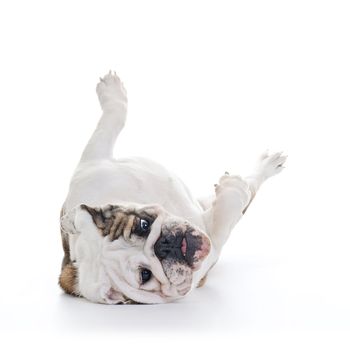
(182, 244)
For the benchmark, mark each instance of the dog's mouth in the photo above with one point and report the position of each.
(182, 244)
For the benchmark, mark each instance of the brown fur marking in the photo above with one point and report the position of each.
(68, 279)
(116, 221)
(68, 276)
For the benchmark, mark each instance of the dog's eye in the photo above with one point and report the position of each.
(145, 275)
(144, 226)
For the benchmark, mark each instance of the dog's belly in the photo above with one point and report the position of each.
(137, 180)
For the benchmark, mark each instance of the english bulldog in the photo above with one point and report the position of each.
(131, 230)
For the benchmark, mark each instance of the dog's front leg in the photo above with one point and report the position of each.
(113, 100)
(233, 195)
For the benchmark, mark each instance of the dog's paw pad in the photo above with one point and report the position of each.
(111, 91)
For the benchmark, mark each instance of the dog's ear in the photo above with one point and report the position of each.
(99, 216)
(105, 218)
(77, 218)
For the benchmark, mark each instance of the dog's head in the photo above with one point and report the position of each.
(124, 254)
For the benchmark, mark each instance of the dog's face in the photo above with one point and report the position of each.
(131, 253)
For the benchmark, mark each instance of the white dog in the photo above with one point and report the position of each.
(131, 231)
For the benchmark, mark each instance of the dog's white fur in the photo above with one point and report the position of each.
(107, 271)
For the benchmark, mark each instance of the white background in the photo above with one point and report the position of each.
(211, 84)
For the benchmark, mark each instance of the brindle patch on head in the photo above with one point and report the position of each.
(115, 221)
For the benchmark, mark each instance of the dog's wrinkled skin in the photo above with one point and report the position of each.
(131, 231)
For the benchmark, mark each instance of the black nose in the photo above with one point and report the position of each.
(169, 246)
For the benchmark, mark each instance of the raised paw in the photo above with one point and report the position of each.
(111, 91)
(271, 164)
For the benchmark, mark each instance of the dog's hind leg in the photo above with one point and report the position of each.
(113, 100)
(233, 196)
